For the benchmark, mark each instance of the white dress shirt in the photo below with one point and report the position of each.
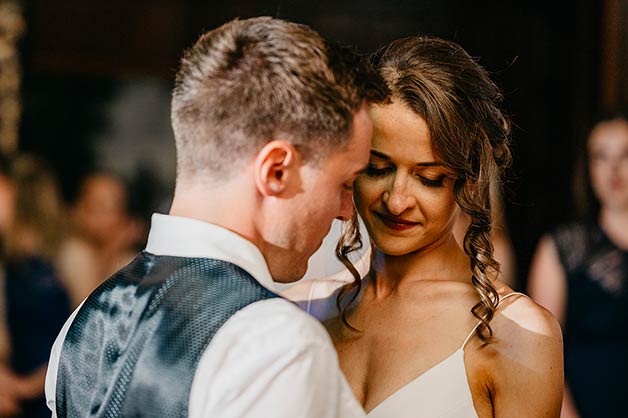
(270, 359)
(316, 293)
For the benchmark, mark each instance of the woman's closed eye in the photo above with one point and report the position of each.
(433, 182)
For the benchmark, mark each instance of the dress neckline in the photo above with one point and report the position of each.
(420, 377)
(456, 355)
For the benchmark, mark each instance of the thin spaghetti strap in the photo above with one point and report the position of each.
(509, 295)
(466, 340)
(478, 324)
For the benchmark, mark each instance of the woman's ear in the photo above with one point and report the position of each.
(275, 166)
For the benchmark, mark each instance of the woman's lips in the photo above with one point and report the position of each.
(396, 224)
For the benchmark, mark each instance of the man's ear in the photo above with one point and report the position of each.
(275, 166)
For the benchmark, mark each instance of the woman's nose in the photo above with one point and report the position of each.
(397, 198)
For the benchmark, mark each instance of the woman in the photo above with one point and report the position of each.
(580, 273)
(432, 331)
(101, 239)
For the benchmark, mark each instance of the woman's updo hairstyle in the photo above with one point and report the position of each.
(440, 82)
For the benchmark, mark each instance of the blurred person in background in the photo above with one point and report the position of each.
(102, 236)
(580, 273)
(36, 305)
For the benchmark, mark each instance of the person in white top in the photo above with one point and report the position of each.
(271, 130)
(432, 331)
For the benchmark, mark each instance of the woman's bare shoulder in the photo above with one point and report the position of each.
(528, 349)
(520, 317)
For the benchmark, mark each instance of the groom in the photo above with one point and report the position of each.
(271, 131)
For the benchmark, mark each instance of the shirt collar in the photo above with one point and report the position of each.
(186, 237)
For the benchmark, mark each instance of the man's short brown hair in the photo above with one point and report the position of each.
(254, 80)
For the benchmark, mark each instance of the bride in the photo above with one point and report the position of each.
(431, 331)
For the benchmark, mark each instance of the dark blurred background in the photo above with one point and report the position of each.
(97, 75)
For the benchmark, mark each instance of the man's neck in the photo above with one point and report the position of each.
(225, 205)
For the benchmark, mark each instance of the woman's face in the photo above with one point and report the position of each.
(405, 196)
(608, 163)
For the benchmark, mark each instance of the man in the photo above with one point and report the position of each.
(271, 131)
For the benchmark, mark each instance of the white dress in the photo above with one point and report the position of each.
(440, 392)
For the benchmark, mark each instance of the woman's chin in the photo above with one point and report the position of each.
(395, 249)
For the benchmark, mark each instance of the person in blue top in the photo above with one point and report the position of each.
(36, 303)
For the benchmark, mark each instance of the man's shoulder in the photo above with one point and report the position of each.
(274, 321)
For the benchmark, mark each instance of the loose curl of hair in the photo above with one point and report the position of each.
(439, 81)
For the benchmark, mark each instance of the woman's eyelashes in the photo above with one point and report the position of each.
(435, 183)
(379, 171)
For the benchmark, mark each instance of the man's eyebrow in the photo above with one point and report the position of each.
(424, 164)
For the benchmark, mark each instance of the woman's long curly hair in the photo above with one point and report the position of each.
(440, 82)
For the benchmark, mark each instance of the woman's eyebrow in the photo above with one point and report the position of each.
(383, 156)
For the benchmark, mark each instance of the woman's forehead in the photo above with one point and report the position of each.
(400, 133)
(610, 133)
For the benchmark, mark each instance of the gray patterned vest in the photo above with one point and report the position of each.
(133, 348)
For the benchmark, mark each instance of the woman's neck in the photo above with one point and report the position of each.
(442, 260)
(614, 222)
